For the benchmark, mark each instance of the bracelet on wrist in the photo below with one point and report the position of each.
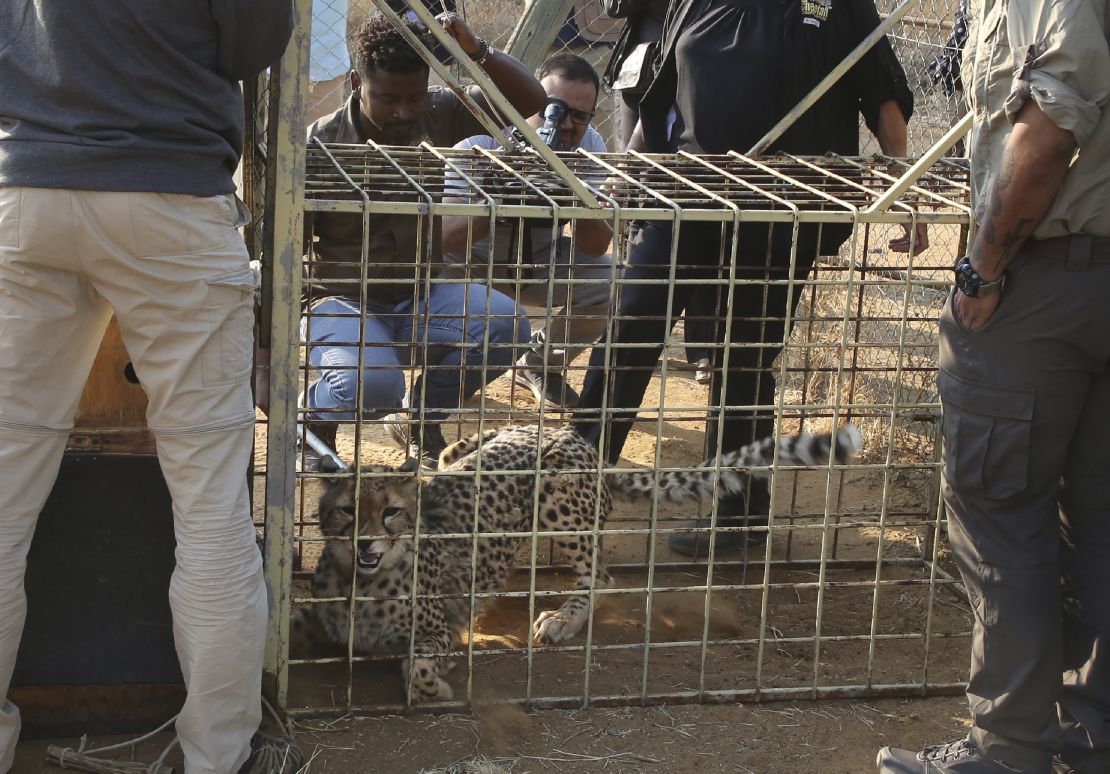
(482, 54)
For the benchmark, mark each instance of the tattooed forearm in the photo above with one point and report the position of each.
(1031, 171)
(1002, 182)
(1013, 239)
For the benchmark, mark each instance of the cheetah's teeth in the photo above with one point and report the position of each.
(369, 560)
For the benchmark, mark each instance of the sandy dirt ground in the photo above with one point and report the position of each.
(772, 738)
(493, 736)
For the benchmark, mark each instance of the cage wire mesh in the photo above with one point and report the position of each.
(853, 595)
(919, 39)
(846, 601)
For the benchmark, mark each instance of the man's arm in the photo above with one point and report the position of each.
(636, 141)
(890, 131)
(593, 236)
(518, 85)
(253, 35)
(458, 230)
(1035, 161)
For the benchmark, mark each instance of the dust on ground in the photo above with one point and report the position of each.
(788, 737)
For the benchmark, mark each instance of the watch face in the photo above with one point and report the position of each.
(967, 280)
(961, 278)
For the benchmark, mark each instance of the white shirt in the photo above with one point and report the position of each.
(592, 141)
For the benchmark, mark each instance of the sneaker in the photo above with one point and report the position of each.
(702, 371)
(271, 755)
(552, 392)
(424, 451)
(308, 459)
(697, 543)
(959, 757)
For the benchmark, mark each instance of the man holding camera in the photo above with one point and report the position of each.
(541, 267)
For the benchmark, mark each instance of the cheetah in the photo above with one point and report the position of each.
(560, 485)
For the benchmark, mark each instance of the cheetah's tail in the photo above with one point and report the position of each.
(684, 485)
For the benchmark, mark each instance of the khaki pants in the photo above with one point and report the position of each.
(1027, 486)
(579, 310)
(174, 269)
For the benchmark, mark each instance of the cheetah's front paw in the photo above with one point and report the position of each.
(555, 626)
(424, 683)
(437, 691)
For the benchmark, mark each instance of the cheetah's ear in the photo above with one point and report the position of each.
(412, 487)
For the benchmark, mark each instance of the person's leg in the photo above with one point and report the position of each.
(1084, 705)
(463, 336)
(700, 329)
(52, 323)
(757, 311)
(582, 292)
(618, 374)
(574, 313)
(1013, 394)
(158, 259)
(471, 334)
(759, 307)
(332, 332)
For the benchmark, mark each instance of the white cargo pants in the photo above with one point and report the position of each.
(175, 271)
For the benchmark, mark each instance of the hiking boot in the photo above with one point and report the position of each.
(270, 755)
(552, 392)
(308, 459)
(696, 544)
(959, 757)
(423, 451)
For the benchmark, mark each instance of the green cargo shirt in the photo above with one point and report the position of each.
(1056, 53)
(402, 249)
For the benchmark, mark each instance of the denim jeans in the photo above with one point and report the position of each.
(574, 315)
(446, 335)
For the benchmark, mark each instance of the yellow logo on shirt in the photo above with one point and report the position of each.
(815, 12)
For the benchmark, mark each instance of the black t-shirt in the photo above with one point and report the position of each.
(732, 68)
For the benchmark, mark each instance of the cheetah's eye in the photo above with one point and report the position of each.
(391, 513)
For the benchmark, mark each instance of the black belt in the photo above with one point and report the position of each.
(1077, 250)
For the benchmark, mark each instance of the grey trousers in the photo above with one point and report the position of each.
(1027, 488)
(573, 290)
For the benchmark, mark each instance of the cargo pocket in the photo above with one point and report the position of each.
(170, 225)
(986, 436)
(229, 354)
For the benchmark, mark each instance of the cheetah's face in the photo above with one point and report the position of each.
(386, 508)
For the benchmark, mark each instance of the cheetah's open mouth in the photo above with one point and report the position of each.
(368, 559)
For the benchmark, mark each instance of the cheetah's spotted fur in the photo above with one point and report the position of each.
(495, 501)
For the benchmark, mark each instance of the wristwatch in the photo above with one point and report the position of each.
(972, 284)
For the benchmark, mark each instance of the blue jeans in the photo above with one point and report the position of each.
(450, 325)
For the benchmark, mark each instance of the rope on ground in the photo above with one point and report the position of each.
(273, 755)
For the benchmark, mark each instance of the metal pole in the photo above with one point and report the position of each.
(827, 82)
(535, 32)
(951, 137)
(285, 170)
